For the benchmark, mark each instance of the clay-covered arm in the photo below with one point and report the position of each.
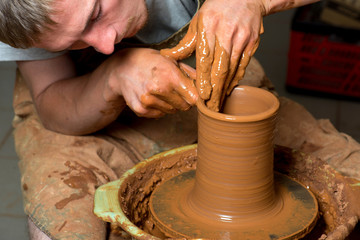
(150, 84)
(225, 34)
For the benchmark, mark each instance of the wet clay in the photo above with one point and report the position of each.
(135, 193)
(233, 190)
(80, 180)
(171, 212)
(218, 72)
(337, 195)
(234, 177)
(315, 174)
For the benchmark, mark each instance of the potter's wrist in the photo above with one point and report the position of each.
(111, 94)
(109, 76)
(273, 6)
(114, 103)
(265, 7)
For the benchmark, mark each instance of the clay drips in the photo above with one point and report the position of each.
(204, 58)
(219, 75)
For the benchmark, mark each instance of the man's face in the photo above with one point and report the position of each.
(97, 23)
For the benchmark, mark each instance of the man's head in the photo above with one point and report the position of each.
(76, 24)
(21, 22)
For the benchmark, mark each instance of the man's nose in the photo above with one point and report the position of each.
(103, 40)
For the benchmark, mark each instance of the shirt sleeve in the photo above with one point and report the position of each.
(165, 19)
(8, 53)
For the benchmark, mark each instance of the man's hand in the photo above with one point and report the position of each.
(151, 84)
(225, 34)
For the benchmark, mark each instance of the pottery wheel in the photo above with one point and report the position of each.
(295, 216)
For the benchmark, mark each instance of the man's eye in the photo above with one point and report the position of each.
(97, 13)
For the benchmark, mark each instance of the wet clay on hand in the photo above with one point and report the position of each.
(217, 72)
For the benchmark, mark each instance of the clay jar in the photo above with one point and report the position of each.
(234, 181)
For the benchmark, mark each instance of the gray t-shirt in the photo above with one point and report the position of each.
(8, 53)
(166, 17)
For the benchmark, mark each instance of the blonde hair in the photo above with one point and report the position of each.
(22, 21)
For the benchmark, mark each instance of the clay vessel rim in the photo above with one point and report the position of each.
(272, 110)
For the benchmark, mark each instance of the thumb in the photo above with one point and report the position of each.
(186, 46)
(189, 71)
(187, 88)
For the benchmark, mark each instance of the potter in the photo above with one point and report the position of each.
(59, 95)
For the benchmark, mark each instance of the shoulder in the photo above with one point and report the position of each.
(165, 19)
(8, 53)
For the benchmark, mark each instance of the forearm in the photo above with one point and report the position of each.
(68, 103)
(77, 106)
(273, 6)
(150, 84)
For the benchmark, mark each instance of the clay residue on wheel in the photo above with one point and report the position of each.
(135, 192)
(337, 195)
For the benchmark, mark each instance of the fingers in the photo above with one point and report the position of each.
(244, 62)
(219, 73)
(223, 60)
(219, 68)
(150, 107)
(186, 87)
(188, 71)
(174, 99)
(150, 113)
(194, 40)
(234, 63)
(186, 46)
(248, 52)
(151, 102)
(169, 102)
(204, 60)
(262, 30)
(156, 105)
(180, 95)
(255, 47)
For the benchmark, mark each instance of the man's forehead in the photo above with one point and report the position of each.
(70, 17)
(70, 9)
